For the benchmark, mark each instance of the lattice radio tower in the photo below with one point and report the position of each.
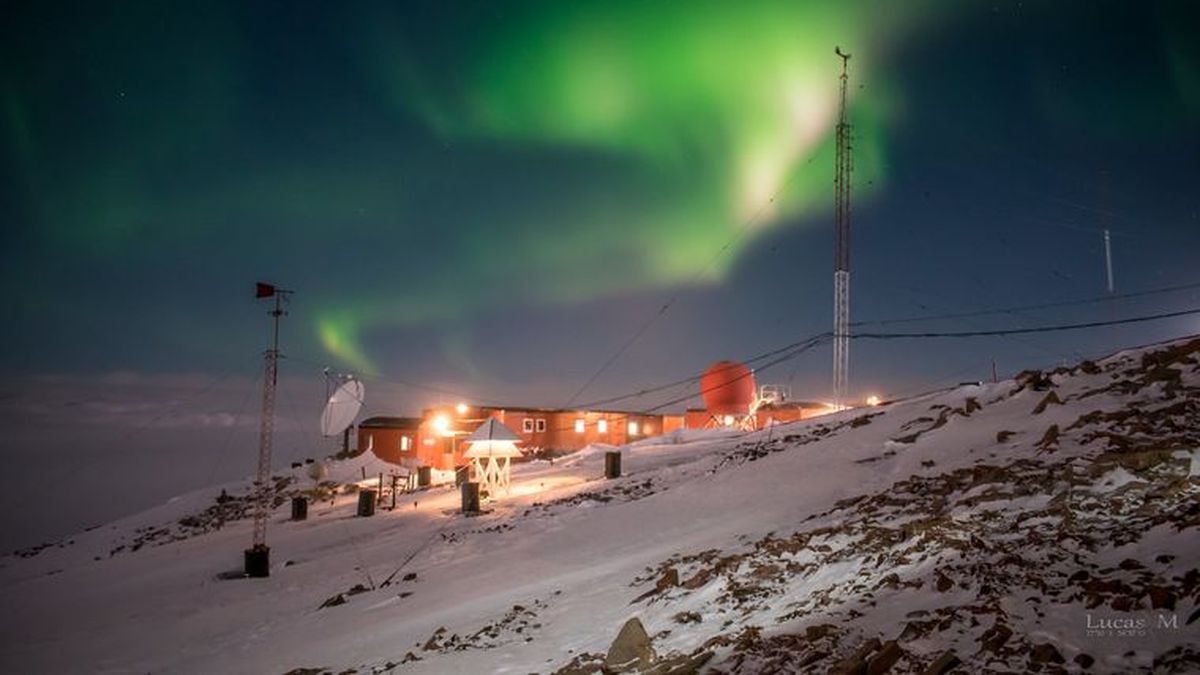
(841, 251)
(258, 556)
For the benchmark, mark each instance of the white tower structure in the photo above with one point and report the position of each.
(841, 256)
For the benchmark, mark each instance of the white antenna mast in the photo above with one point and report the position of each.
(841, 254)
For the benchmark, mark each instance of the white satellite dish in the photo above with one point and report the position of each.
(342, 407)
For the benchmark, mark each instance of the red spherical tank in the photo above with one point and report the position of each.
(728, 388)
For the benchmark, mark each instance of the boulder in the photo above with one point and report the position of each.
(631, 648)
(1162, 597)
(669, 579)
(1047, 400)
(995, 637)
(885, 658)
(1045, 653)
(944, 664)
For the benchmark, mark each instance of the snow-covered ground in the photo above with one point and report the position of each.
(1024, 525)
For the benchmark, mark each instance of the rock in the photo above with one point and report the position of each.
(334, 601)
(669, 579)
(1049, 440)
(681, 665)
(1047, 400)
(687, 617)
(944, 582)
(887, 657)
(631, 647)
(1045, 653)
(1122, 603)
(995, 637)
(1161, 598)
(1138, 461)
(1085, 661)
(1002, 437)
(944, 664)
(697, 580)
(818, 631)
(856, 663)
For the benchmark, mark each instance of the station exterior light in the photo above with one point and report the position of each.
(873, 400)
(462, 408)
(728, 420)
(441, 424)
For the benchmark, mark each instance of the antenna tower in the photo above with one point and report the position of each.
(258, 556)
(841, 251)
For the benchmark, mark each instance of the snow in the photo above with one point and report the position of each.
(574, 551)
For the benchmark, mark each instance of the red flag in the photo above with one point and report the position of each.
(262, 290)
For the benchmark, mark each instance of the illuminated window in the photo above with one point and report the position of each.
(405, 443)
(428, 441)
(633, 428)
(370, 442)
(579, 425)
(527, 425)
(602, 426)
(646, 429)
(541, 426)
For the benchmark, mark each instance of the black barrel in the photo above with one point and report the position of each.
(258, 561)
(470, 497)
(612, 465)
(366, 503)
(299, 508)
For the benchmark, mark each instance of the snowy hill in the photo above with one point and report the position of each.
(1047, 523)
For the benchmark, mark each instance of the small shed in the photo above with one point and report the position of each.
(491, 448)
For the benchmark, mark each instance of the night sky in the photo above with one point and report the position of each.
(488, 200)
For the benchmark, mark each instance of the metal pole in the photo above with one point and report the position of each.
(1108, 259)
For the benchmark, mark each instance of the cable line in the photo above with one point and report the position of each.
(1022, 331)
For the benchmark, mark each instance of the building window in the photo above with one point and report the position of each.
(527, 425)
(405, 444)
(646, 429)
(579, 426)
(602, 426)
(370, 442)
(541, 426)
(633, 428)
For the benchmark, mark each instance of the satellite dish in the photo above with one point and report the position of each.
(342, 407)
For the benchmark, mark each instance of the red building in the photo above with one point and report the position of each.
(435, 438)
(392, 439)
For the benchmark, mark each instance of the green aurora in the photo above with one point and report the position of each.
(413, 165)
(725, 110)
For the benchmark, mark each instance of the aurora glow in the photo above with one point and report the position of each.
(405, 166)
(723, 112)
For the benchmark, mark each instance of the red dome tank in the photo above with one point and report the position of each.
(728, 388)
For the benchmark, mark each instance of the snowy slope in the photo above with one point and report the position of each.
(1023, 525)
